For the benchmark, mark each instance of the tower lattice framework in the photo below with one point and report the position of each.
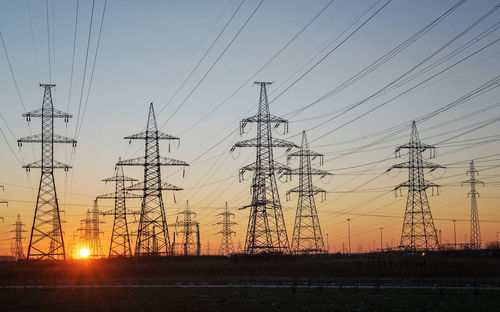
(419, 232)
(190, 232)
(120, 236)
(17, 249)
(152, 234)
(266, 231)
(307, 237)
(475, 231)
(226, 241)
(46, 239)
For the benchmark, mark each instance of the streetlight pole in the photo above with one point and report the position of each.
(349, 233)
(327, 244)
(381, 246)
(455, 232)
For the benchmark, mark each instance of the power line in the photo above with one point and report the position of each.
(215, 63)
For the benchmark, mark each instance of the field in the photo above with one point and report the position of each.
(444, 282)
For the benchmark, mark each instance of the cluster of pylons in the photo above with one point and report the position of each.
(266, 230)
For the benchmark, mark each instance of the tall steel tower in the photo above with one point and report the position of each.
(307, 237)
(120, 238)
(95, 246)
(152, 234)
(266, 232)
(226, 241)
(419, 232)
(85, 231)
(190, 232)
(46, 240)
(475, 231)
(17, 249)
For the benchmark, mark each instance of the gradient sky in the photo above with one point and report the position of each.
(148, 48)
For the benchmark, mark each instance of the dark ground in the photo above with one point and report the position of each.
(437, 271)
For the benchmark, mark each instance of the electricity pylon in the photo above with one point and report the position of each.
(85, 231)
(475, 231)
(419, 232)
(307, 237)
(266, 232)
(17, 249)
(3, 202)
(226, 241)
(120, 237)
(190, 232)
(46, 239)
(152, 234)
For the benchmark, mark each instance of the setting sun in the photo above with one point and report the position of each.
(84, 253)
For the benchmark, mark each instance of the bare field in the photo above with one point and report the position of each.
(362, 283)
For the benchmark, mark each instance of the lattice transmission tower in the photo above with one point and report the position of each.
(266, 231)
(226, 240)
(307, 237)
(419, 232)
(152, 233)
(46, 239)
(90, 232)
(17, 248)
(120, 236)
(475, 231)
(190, 233)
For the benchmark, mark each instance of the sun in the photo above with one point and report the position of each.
(84, 253)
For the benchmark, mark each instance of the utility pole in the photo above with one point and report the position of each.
(419, 232)
(455, 232)
(226, 241)
(497, 239)
(152, 234)
(46, 239)
(307, 237)
(327, 244)
(381, 241)
(18, 250)
(266, 231)
(475, 231)
(120, 237)
(349, 234)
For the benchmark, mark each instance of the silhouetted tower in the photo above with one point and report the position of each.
(190, 232)
(475, 231)
(419, 232)
(120, 238)
(95, 239)
(226, 241)
(152, 234)
(17, 249)
(307, 237)
(266, 232)
(85, 232)
(46, 240)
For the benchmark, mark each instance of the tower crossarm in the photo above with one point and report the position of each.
(114, 179)
(141, 161)
(421, 187)
(255, 143)
(303, 152)
(150, 135)
(38, 113)
(472, 181)
(313, 190)
(38, 164)
(423, 165)
(278, 168)
(312, 171)
(113, 196)
(37, 138)
(419, 146)
(263, 118)
(164, 187)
